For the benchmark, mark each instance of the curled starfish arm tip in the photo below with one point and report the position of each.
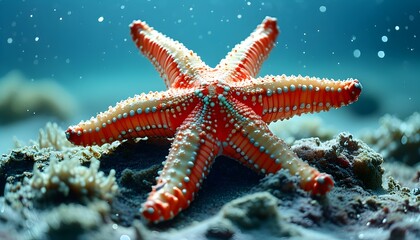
(192, 154)
(321, 184)
(175, 63)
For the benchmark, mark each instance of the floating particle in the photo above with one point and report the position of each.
(125, 237)
(239, 16)
(411, 18)
(10, 40)
(69, 13)
(381, 54)
(100, 19)
(384, 38)
(323, 9)
(67, 60)
(122, 7)
(36, 39)
(397, 28)
(357, 53)
(248, 3)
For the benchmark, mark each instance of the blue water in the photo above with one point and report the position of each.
(86, 47)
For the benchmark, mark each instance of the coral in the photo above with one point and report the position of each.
(10, 222)
(396, 139)
(53, 137)
(254, 211)
(61, 182)
(68, 221)
(348, 160)
(222, 229)
(20, 98)
(67, 179)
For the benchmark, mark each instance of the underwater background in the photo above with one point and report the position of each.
(85, 51)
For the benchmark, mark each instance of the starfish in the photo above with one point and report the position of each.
(215, 111)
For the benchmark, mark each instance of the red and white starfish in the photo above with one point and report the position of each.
(215, 111)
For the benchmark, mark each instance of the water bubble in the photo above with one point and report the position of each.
(100, 19)
(384, 38)
(357, 53)
(36, 39)
(115, 226)
(411, 18)
(69, 13)
(323, 9)
(239, 16)
(122, 7)
(10, 40)
(124, 237)
(397, 28)
(248, 3)
(381, 54)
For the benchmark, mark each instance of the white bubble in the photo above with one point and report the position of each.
(122, 7)
(323, 9)
(357, 53)
(10, 40)
(248, 3)
(239, 16)
(100, 19)
(397, 28)
(124, 237)
(381, 54)
(36, 39)
(384, 38)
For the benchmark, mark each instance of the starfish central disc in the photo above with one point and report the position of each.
(215, 111)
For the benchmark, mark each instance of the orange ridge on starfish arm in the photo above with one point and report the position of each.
(215, 111)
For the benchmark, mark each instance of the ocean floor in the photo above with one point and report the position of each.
(53, 190)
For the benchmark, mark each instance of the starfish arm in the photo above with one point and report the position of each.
(156, 114)
(282, 97)
(255, 146)
(189, 160)
(175, 63)
(246, 58)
